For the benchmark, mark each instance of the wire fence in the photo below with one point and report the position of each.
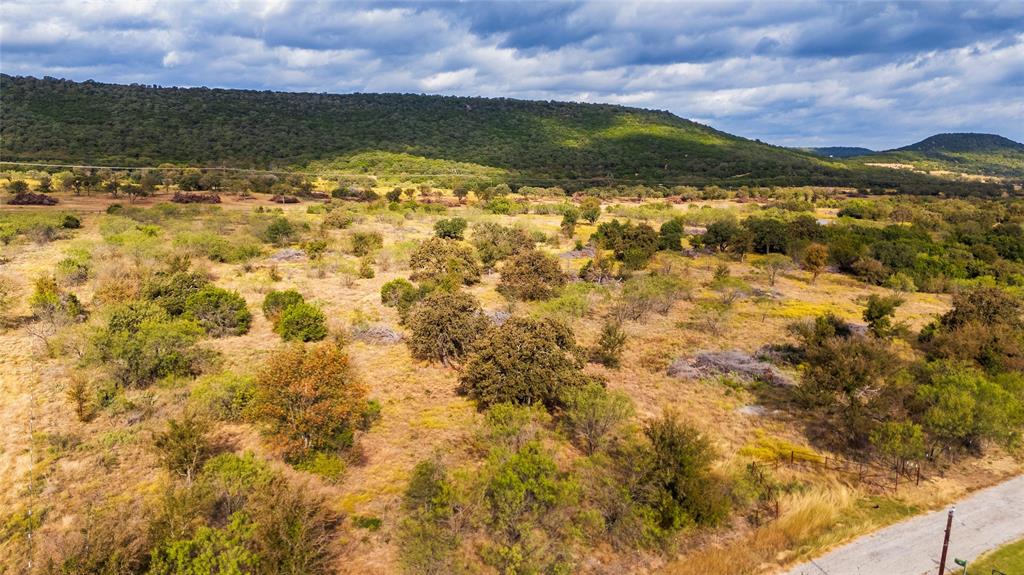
(876, 477)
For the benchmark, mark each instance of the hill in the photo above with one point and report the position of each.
(838, 151)
(982, 154)
(56, 119)
(539, 142)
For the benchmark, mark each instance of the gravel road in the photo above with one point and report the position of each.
(983, 521)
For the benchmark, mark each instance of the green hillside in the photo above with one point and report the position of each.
(519, 141)
(984, 154)
(838, 151)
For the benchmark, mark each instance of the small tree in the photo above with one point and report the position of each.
(183, 447)
(524, 361)
(608, 351)
(592, 413)
(679, 489)
(531, 275)
(814, 260)
(590, 209)
(302, 322)
(444, 325)
(400, 294)
(141, 344)
(219, 312)
(773, 264)
(307, 399)
(570, 215)
(670, 235)
(878, 313)
(437, 259)
(452, 229)
(394, 195)
(280, 231)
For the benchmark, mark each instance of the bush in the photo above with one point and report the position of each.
(608, 351)
(645, 294)
(524, 361)
(633, 245)
(219, 312)
(141, 344)
(73, 270)
(307, 400)
(438, 259)
(364, 243)
(531, 275)
(444, 325)
(171, 291)
(590, 209)
(676, 468)
(400, 294)
(592, 413)
(183, 447)
(495, 242)
(277, 301)
(280, 231)
(984, 326)
(451, 229)
(224, 396)
(670, 235)
(302, 322)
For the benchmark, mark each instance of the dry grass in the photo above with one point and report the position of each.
(422, 414)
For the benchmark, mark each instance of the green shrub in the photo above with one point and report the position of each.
(171, 291)
(142, 344)
(280, 231)
(364, 243)
(218, 311)
(608, 351)
(329, 466)
(183, 447)
(451, 229)
(224, 396)
(400, 294)
(277, 301)
(73, 270)
(302, 322)
(681, 490)
(592, 413)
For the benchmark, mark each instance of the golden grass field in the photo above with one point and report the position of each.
(54, 464)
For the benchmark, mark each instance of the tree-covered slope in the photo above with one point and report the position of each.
(523, 141)
(838, 151)
(61, 120)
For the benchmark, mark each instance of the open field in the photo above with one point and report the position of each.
(60, 473)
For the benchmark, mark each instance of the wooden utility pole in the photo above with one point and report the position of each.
(945, 541)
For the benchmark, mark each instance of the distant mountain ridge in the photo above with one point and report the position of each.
(963, 142)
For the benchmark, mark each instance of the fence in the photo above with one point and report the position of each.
(881, 478)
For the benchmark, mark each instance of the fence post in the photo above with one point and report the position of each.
(792, 456)
(918, 480)
(896, 482)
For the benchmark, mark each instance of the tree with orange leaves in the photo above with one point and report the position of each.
(308, 399)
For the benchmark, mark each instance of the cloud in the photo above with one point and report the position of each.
(879, 74)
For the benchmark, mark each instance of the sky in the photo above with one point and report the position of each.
(816, 73)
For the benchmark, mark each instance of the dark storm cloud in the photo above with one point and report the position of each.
(870, 73)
